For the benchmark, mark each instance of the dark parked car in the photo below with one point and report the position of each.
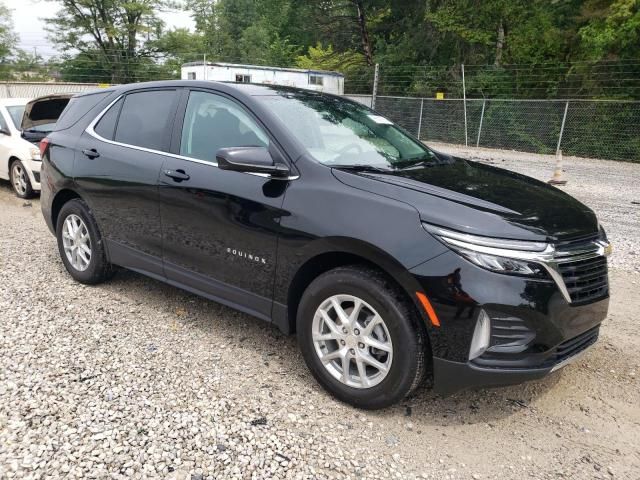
(390, 261)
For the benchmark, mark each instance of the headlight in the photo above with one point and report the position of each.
(513, 257)
(35, 153)
(604, 241)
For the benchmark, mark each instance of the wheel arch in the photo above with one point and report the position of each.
(344, 252)
(61, 197)
(12, 159)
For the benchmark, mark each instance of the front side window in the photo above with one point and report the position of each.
(243, 78)
(191, 75)
(145, 118)
(337, 132)
(212, 122)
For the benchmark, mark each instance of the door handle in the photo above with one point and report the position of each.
(177, 175)
(91, 153)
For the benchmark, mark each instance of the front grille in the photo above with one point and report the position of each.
(577, 344)
(586, 280)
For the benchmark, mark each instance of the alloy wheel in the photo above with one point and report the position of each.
(352, 341)
(76, 242)
(19, 178)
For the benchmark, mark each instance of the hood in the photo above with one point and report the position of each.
(44, 111)
(482, 200)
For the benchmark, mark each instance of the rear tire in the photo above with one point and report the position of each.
(20, 180)
(391, 371)
(80, 244)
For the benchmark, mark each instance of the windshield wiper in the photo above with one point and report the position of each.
(420, 164)
(362, 168)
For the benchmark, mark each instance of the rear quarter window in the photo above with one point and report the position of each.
(107, 125)
(78, 108)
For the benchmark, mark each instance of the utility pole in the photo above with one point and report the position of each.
(204, 66)
(374, 94)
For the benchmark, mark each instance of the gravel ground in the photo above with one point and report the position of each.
(137, 379)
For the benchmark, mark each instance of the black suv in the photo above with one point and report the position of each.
(390, 261)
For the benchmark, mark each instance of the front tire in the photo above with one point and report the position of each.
(361, 337)
(80, 244)
(20, 180)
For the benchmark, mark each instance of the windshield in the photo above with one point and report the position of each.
(16, 112)
(337, 132)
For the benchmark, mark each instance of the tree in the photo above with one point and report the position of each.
(174, 48)
(246, 31)
(614, 32)
(8, 38)
(113, 33)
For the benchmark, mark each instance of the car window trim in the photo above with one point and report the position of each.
(91, 132)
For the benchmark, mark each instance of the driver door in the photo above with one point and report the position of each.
(219, 227)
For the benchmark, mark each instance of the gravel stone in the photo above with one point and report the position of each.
(137, 379)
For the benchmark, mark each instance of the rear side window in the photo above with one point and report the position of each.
(77, 107)
(106, 127)
(145, 118)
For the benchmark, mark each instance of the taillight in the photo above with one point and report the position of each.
(43, 146)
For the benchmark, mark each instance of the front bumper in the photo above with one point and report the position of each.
(534, 330)
(33, 170)
(451, 377)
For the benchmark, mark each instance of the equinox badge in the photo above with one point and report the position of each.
(248, 256)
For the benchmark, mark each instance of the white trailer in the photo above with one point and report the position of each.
(319, 80)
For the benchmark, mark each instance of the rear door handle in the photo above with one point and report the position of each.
(91, 153)
(177, 175)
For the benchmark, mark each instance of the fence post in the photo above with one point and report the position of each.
(484, 101)
(374, 94)
(564, 119)
(464, 102)
(204, 66)
(420, 119)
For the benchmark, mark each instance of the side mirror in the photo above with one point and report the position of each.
(251, 160)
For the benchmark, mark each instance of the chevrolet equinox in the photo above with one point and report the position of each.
(391, 262)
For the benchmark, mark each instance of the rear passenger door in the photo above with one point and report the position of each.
(219, 227)
(118, 162)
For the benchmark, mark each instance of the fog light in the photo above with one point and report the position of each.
(481, 336)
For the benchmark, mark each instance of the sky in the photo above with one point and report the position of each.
(28, 23)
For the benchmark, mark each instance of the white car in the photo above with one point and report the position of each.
(19, 158)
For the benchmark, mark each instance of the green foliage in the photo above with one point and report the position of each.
(511, 48)
(8, 38)
(113, 33)
(321, 58)
(616, 33)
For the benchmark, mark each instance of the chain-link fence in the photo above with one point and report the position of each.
(516, 107)
(607, 129)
